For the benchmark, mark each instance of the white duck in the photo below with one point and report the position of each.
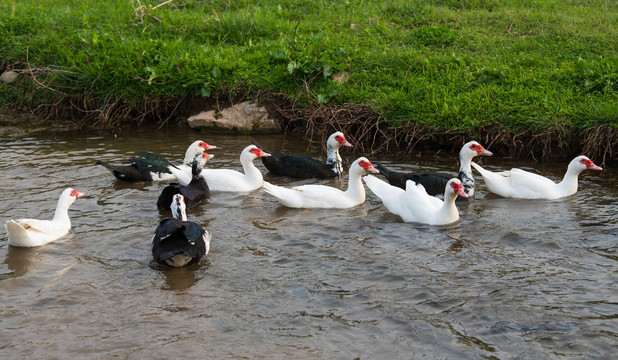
(322, 196)
(414, 204)
(32, 232)
(434, 183)
(521, 184)
(232, 180)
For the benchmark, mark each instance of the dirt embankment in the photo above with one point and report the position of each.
(359, 122)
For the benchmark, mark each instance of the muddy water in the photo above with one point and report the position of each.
(513, 279)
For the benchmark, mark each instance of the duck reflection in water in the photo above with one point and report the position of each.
(20, 260)
(182, 278)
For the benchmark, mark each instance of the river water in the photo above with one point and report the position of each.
(512, 279)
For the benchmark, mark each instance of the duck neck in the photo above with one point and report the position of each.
(569, 182)
(448, 209)
(465, 175)
(62, 212)
(355, 188)
(252, 173)
(333, 159)
(196, 172)
(179, 214)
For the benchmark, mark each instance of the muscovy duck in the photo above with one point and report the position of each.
(521, 184)
(154, 167)
(322, 196)
(178, 242)
(236, 181)
(414, 204)
(33, 232)
(304, 167)
(434, 183)
(194, 193)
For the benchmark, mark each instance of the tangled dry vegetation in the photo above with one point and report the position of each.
(363, 125)
(361, 122)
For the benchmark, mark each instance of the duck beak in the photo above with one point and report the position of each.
(264, 153)
(210, 147)
(371, 169)
(210, 156)
(462, 193)
(594, 167)
(486, 152)
(79, 194)
(346, 144)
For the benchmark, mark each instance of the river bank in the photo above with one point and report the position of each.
(532, 79)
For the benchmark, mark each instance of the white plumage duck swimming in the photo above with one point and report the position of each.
(235, 181)
(33, 232)
(414, 204)
(322, 196)
(521, 184)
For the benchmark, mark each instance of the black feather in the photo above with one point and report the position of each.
(127, 172)
(139, 169)
(433, 183)
(175, 237)
(195, 192)
(302, 167)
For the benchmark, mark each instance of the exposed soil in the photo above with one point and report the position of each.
(360, 122)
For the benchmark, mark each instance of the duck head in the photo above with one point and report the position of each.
(582, 163)
(456, 187)
(362, 166)
(472, 149)
(336, 140)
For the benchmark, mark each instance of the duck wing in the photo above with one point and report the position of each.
(300, 167)
(43, 226)
(152, 162)
(433, 183)
(127, 172)
(307, 167)
(177, 243)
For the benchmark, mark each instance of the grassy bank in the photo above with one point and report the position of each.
(539, 73)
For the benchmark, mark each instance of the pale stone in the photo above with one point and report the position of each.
(245, 117)
(8, 77)
(341, 77)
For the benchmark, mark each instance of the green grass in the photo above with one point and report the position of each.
(451, 65)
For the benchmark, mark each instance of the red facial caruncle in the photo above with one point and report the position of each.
(205, 146)
(76, 193)
(258, 152)
(590, 164)
(342, 140)
(458, 188)
(367, 166)
(480, 150)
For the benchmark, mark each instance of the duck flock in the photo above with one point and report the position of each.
(420, 197)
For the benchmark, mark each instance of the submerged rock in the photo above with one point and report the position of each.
(246, 117)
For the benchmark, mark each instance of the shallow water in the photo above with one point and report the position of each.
(512, 279)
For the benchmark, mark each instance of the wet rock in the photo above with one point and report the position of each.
(246, 117)
(9, 76)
